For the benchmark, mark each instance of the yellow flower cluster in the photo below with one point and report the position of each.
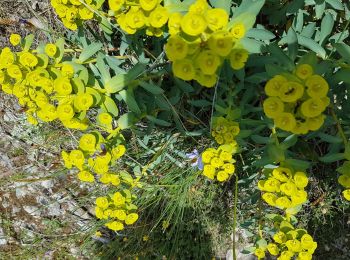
(73, 12)
(46, 88)
(224, 131)
(296, 101)
(284, 188)
(344, 179)
(95, 155)
(136, 15)
(201, 40)
(218, 163)
(289, 242)
(117, 209)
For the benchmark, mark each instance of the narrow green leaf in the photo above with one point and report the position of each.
(326, 27)
(344, 51)
(289, 141)
(312, 45)
(126, 120)
(252, 45)
(261, 34)
(129, 99)
(158, 121)
(200, 103)
(330, 138)
(109, 105)
(89, 51)
(151, 87)
(27, 42)
(103, 68)
(223, 4)
(329, 158)
(336, 4)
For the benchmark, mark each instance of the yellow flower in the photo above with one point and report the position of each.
(286, 255)
(151, 31)
(291, 91)
(272, 185)
(69, 24)
(314, 123)
(317, 86)
(221, 42)
(71, 13)
(131, 218)
(304, 256)
(28, 60)
(47, 113)
(65, 112)
(15, 39)
(346, 194)
(207, 81)
(193, 24)
(14, 72)
(184, 69)
(222, 176)
(66, 160)
(283, 202)
(63, 86)
(216, 18)
(119, 214)
(6, 58)
(115, 225)
(88, 143)
(61, 10)
(209, 171)
(77, 158)
(83, 101)
(238, 30)
(306, 241)
(51, 49)
(118, 199)
(159, 17)
(67, 70)
(115, 5)
(99, 213)
(207, 155)
(102, 202)
(273, 106)
(199, 7)
(86, 176)
(300, 128)
(148, 5)
(344, 180)
(121, 20)
(273, 249)
(176, 48)
(104, 119)
(216, 162)
(135, 19)
(300, 179)
(228, 168)
(208, 62)
(299, 197)
(312, 107)
(282, 174)
(118, 151)
(288, 188)
(238, 58)
(285, 121)
(304, 71)
(269, 198)
(280, 237)
(260, 253)
(274, 85)
(85, 13)
(174, 23)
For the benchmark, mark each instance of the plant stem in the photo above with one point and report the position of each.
(340, 129)
(235, 219)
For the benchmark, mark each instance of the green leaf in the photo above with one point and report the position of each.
(249, 6)
(95, 94)
(151, 87)
(89, 51)
(262, 243)
(200, 103)
(129, 99)
(126, 120)
(330, 138)
(319, 8)
(276, 153)
(60, 50)
(336, 4)
(342, 75)
(329, 158)
(344, 51)
(158, 121)
(285, 226)
(110, 106)
(103, 68)
(118, 82)
(105, 25)
(252, 45)
(312, 45)
(289, 141)
(280, 56)
(326, 27)
(261, 139)
(78, 85)
(261, 34)
(27, 42)
(297, 164)
(223, 4)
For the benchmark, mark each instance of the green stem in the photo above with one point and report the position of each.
(340, 129)
(235, 219)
